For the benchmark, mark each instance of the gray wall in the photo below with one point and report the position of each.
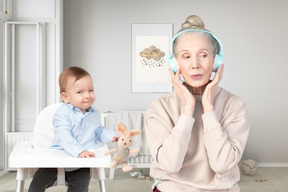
(97, 36)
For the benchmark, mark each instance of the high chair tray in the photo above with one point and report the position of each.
(24, 156)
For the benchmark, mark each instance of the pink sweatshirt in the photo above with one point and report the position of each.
(207, 158)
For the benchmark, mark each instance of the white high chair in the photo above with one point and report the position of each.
(27, 157)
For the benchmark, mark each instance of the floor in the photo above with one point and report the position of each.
(265, 180)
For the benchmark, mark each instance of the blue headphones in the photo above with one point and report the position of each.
(217, 60)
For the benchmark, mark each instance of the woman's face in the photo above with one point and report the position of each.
(195, 59)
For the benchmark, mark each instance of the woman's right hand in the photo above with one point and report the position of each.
(182, 91)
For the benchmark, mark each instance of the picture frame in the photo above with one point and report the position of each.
(150, 61)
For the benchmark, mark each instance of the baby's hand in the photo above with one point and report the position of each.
(86, 154)
(115, 138)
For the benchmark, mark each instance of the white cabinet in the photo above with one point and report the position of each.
(2, 6)
(5, 15)
(1, 96)
(6, 8)
(24, 75)
(32, 65)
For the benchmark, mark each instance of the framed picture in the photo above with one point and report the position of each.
(150, 62)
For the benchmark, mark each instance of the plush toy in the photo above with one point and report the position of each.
(123, 151)
(249, 167)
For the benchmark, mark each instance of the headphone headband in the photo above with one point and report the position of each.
(219, 56)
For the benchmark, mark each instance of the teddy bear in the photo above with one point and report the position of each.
(122, 150)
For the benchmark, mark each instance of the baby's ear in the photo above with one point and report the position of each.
(122, 128)
(134, 133)
(65, 97)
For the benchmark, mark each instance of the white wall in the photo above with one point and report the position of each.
(97, 36)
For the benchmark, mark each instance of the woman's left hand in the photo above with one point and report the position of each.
(209, 94)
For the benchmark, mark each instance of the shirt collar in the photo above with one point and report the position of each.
(76, 109)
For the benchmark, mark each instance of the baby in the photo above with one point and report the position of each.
(77, 128)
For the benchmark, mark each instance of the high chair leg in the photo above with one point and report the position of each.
(20, 186)
(102, 186)
(111, 175)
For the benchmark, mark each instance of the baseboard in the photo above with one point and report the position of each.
(272, 164)
(3, 173)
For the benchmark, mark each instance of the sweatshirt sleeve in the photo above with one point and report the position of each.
(168, 144)
(225, 139)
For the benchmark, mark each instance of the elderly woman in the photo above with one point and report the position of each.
(197, 133)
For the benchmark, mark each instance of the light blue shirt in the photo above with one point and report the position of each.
(76, 132)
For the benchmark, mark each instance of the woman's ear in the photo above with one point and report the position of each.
(65, 97)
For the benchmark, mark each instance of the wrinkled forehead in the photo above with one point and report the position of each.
(206, 38)
(193, 41)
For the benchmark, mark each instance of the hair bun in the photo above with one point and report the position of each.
(193, 22)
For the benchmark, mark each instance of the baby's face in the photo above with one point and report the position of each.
(80, 93)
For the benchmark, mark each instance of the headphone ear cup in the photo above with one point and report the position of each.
(173, 64)
(217, 62)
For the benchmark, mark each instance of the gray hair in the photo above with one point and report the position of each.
(214, 43)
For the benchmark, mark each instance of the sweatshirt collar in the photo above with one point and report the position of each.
(198, 97)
